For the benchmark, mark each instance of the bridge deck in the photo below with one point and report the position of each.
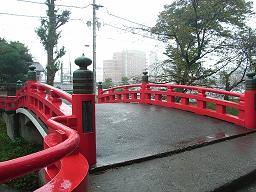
(225, 166)
(149, 148)
(128, 132)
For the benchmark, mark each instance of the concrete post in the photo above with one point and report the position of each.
(11, 120)
(10, 117)
(250, 101)
(83, 107)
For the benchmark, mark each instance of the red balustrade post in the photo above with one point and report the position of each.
(250, 101)
(170, 97)
(126, 95)
(83, 107)
(201, 104)
(111, 95)
(143, 94)
(100, 89)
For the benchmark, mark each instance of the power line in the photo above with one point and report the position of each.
(72, 6)
(57, 5)
(79, 7)
(125, 19)
(128, 20)
(20, 15)
(130, 31)
(31, 16)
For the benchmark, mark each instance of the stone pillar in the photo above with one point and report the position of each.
(11, 120)
(10, 117)
(250, 101)
(83, 107)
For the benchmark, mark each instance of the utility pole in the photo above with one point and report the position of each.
(94, 20)
(94, 25)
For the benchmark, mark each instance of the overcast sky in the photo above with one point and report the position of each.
(76, 34)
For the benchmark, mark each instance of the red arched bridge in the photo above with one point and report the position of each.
(70, 138)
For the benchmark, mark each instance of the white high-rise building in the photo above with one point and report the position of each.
(127, 63)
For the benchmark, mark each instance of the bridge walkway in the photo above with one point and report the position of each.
(224, 166)
(151, 148)
(128, 132)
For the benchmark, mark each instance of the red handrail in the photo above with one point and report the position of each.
(22, 165)
(60, 93)
(166, 95)
(61, 144)
(218, 91)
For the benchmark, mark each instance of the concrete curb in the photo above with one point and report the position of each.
(102, 168)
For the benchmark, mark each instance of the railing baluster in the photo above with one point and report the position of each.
(241, 113)
(201, 104)
(184, 101)
(221, 109)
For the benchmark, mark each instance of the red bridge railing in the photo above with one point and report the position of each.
(200, 100)
(67, 146)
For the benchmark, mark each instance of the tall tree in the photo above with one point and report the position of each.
(241, 58)
(196, 30)
(49, 35)
(14, 61)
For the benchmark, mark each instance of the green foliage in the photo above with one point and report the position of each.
(107, 83)
(49, 35)
(229, 110)
(12, 149)
(14, 61)
(195, 29)
(124, 81)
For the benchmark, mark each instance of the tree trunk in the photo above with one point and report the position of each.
(51, 69)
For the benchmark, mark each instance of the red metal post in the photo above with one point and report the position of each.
(83, 107)
(250, 101)
(201, 104)
(99, 92)
(143, 95)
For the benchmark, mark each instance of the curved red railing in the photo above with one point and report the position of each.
(201, 100)
(61, 155)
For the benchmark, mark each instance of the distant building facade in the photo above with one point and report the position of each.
(127, 63)
(39, 70)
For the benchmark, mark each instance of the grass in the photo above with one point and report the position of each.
(12, 149)
(229, 110)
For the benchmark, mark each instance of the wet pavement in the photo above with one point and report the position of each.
(148, 148)
(135, 132)
(216, 167)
